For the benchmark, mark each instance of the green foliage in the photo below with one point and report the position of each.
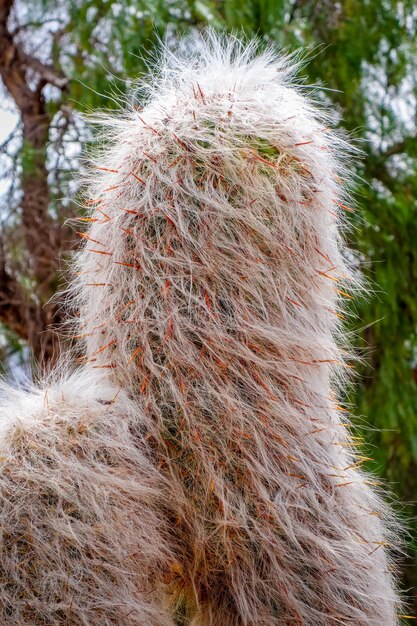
(29, 158)
(13, 354)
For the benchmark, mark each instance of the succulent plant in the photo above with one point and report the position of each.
(198, 467)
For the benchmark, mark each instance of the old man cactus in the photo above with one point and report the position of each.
(196, 467)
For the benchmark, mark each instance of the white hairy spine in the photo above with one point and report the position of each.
(209, 297)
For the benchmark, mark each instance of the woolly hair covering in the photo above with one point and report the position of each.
(80, 515)
(209, 299)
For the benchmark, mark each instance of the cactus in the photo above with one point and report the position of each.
(197, 468)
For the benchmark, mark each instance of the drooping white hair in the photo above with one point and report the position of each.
(209, 298)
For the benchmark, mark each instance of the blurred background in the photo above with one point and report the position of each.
(60, 58)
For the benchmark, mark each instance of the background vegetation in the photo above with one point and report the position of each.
(58, 58)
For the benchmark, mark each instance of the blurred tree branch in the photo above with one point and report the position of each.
(407, 144)
(25, 78)
(12, 301)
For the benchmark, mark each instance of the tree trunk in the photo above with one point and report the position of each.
(30, 311)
